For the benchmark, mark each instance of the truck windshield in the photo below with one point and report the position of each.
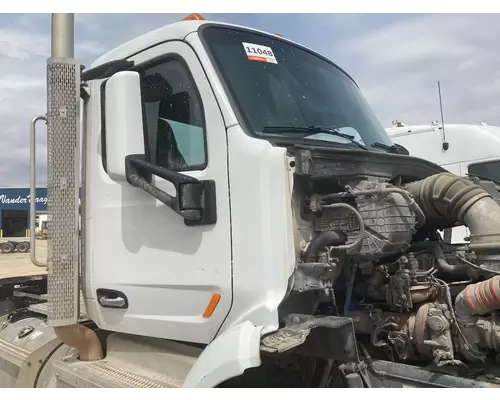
(280, 89)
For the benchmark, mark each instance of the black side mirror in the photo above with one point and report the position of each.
(194, 200)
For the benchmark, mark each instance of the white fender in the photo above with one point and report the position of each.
(229, 355)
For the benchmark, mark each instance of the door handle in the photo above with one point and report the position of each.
(111, 298)
(117, 302)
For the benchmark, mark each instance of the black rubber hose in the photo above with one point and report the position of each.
(435, 248)
(324, 239)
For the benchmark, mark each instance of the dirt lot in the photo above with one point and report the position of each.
(19, 264)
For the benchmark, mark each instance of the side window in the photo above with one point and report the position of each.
(489, 170)
(175, 130)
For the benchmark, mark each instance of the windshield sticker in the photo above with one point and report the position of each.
(256, 52)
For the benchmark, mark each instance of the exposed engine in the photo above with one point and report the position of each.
(371, 245)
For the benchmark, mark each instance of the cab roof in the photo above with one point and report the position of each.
(176, 31)
(179, 31)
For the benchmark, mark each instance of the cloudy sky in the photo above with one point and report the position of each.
(396, 59)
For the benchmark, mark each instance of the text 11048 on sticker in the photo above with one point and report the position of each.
(257, 52)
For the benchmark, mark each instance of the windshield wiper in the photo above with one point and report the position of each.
(392, 149)
(312, 130)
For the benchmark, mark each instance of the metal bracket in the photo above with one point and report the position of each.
(195, 200)
(313, 276)
(332, 338)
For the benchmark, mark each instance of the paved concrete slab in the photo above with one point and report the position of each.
(19, 264)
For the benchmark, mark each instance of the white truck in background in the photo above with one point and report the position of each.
(465, 150)
(246, 221)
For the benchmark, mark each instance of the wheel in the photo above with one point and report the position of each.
(7, 247)
(23, 247)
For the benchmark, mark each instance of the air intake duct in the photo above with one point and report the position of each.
(448, 200)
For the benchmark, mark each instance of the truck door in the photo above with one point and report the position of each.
(168, 274)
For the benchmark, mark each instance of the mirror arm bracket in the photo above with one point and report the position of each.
(195, 200)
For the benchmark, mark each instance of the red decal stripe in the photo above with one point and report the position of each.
(257, 58)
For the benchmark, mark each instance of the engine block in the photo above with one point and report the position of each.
(389, 222)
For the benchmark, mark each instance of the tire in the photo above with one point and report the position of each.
(23, 247)
(7, 247)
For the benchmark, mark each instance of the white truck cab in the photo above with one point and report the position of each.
(245, 221)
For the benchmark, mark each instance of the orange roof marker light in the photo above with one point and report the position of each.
(194, 17)
(279, 34)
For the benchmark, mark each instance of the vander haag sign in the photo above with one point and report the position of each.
(5, 199)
